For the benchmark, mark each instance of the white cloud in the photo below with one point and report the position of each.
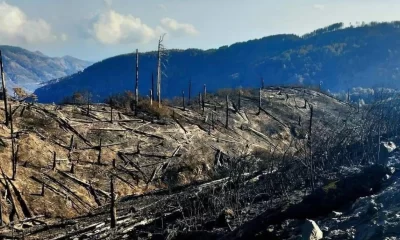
(112, 27)
(16, 27)
(319, 6)
(176, 28)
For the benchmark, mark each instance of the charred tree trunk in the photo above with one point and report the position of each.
(137, 82)
(113, 209)
(3, 82)
(1, 211)
(183, 100)
(379, 144)
(348, 95)
(204, 97)
(190, 90)
(88, 104)
(152, 86)
(15, 163)
(111, 111)
(72, 170)
(259, 101)
(151, 97)
(200, 101)
(239, 99)
(54, 161)
(71, 147)
(212, 120)
(159, 76)
(13, 158)
(159, 72)
(99, 155)
(262, 83)
(42, 190)
(309, 143)
(227, 112)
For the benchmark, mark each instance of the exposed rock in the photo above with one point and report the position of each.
(225, 217)
(336, 214)
(385, 150)
(320, 203)
(311, 231)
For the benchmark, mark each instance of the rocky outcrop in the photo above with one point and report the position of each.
(386, 148)
(320, 203)
(311, 231)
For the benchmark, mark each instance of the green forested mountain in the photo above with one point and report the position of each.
(340, 58)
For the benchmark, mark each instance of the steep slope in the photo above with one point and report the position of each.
(340, 58)
(29, 70)
(143, 153)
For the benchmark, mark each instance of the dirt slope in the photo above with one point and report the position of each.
(144, 153)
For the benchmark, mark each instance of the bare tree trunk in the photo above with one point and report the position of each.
(212, 120)
(262, 83)
(71, 147)
(159, 73)
(310, 149)
(99, 155)
(200, 101)
(72, 170)
(137, 82)
(379, 143)
(190, 90)
(152, 86)
(204, 98)
(1, 211)
(54, 161)
(111, 111)
(348, 95)
(227, 113)
(113, 210)
(42, 190)
(183, 100)
(151, 97)
(88, 104)
(3, 82)
(159, 77)
(259, 101)
(239, 100)
(13, 158)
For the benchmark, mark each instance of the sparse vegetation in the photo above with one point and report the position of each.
(214, 177)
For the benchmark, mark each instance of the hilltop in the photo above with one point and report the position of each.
(340, 58)
(31, 70)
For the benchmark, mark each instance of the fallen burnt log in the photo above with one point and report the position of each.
(86, 185)
(321, 202)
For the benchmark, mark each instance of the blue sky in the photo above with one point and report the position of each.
(97, 29)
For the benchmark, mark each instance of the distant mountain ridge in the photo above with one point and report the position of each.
(336, 57)
(30, 70)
